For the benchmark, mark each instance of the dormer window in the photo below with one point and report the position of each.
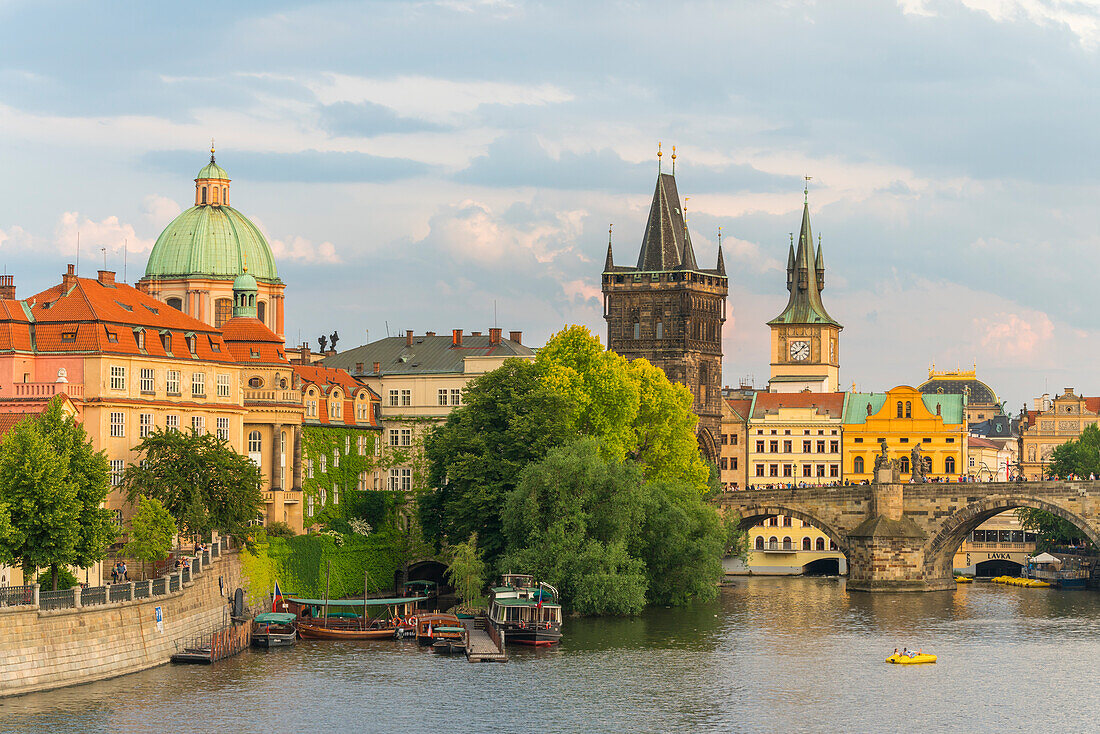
(214, 346)
(112, 337)
(192, 343)
(166, 341)
(254, 353)
(68, 337)
(139, 337)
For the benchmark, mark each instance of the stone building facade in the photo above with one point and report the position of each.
(669, 311)
(1050, 424)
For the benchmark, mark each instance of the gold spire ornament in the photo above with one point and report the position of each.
(659, 154)
(211, 150)
(674, 160)
(719, 235)
(806, 189)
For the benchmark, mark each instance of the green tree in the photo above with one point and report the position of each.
(53, 484)
(509, 420)
(467, 572)
(152, 531)
(1080, 456)
(199, 478)
(1050, 530)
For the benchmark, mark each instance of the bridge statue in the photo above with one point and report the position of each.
(916, 465)
(882, 458)
(903, 537)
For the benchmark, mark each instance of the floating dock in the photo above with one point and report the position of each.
(484, 643)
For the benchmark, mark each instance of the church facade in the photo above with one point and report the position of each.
(669, 311)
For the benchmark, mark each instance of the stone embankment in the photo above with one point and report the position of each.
(54, 639)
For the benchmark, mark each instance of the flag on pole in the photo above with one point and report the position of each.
(276, 597)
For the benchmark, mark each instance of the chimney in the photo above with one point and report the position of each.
(304, 354)
(429, 333)
(7, 287)
(377, 368)
(68, 280)
(516, 336)
(408, 338)
(475, 333)
(494, 336)
(456, 338)
(106, 277)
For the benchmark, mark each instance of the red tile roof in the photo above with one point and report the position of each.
(253, 343)
(326, 377)
(830, 403)
(981, 443)
(740, 406)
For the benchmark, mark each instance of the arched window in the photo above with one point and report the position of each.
(905, 465)
(214, 194)
(255, 443)
(759, 542)
(857, 465)
(773, 543)
(637, 330)
(807, 544)
(832, 545)
(176, 303)
(203, 194)
(899, 409)
(819, 544)
(660, 330)
(949, 465)
(223, 311)
(908, 409)
(225, 194)
(261, 310)
(787, 543)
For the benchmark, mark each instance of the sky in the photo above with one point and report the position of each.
(456, 163)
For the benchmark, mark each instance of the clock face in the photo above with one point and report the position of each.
(800, 351)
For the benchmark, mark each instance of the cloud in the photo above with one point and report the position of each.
(367, 119)
(94, 236)
(1010, 335)
(300, 249)
(15, 238)
(159, 210)
(307, 166)
(522, 160)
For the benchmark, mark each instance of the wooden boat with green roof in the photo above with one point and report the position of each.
(273, 629)
(527, 613)
(379, 619)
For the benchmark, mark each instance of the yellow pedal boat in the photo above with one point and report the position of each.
(914, 660)
(963, 580)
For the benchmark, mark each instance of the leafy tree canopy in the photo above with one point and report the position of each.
(152, 531)
(199, 478)
(608, 540)
(467, 572)
(1050, 530)
(53, 485)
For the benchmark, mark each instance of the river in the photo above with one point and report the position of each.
(769, 655)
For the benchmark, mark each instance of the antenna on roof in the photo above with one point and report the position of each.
(125, 247)
(78, 253)
(104, 251)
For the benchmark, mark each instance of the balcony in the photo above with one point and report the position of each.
(292, 397)
(26, 390)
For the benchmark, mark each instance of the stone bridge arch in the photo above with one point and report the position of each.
(939, 551)
(753, 514)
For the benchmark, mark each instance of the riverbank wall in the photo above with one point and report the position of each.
(44, 648)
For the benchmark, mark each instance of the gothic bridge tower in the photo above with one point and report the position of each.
(670, 311)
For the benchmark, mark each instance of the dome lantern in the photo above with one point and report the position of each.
(245, 291)
(212, 184)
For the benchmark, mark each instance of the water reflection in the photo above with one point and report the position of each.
(767, 655)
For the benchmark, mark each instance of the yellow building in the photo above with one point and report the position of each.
(733, 461)
(786, 546)
(795, 438)
(1050, 424)
(997, 547)
(906, 419)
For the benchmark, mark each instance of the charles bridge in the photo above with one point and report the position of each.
(903, 537)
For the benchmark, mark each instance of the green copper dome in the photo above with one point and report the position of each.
(212, 170)
(211, 241)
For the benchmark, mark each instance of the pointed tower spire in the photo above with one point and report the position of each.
(666, 244)
(790, 264)
(721, 261)
(609, 262)
(819, 266)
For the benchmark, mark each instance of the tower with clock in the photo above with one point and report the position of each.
(805, 353)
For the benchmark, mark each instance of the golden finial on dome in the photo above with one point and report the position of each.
(244, 259)
(211, 150)
(659, 154)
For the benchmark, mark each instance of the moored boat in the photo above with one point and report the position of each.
(527, 614)
(380, 618)
(449, 640)
(429, 624)
(273, 629)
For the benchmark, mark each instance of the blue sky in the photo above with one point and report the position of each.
(418, 164)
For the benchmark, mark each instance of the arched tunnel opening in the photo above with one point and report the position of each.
(822, 567)
(996, 567)
(426, 577)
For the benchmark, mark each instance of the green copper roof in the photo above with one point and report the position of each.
(211, 241)
(805, 281)
(212, 170)
(855, 406)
